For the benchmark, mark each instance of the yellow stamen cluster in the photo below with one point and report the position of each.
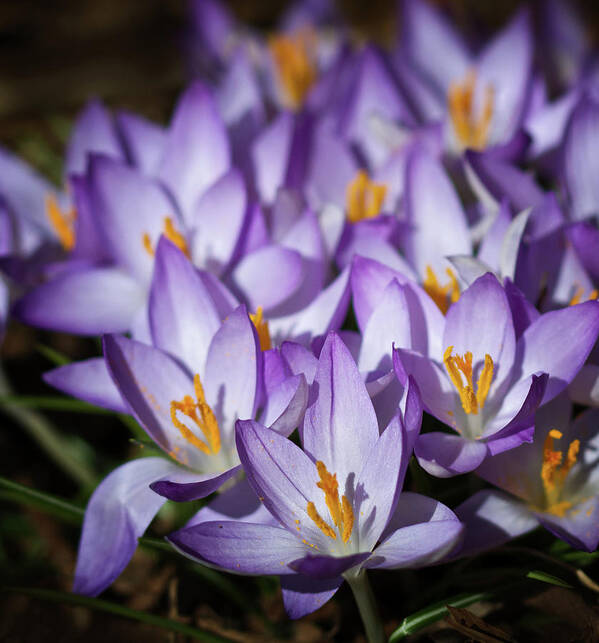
(577, 297)
(341, 511)
(442, 295)
(554, 472)
(364, 198)
(460, 366)
(294, 57)
(205, 420)
(62, 222)
(172, 234)
(262, 329)
(471, 131)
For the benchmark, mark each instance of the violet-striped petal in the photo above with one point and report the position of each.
(444, 455)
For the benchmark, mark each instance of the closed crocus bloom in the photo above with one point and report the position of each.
(334, 509)
(485, 382)
(553, 482)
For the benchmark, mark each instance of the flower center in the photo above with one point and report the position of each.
(442, 295)
(459, 369)
(554, 472)
(294, 57)
(471, 130)
(261, 326)
(62, 222)
(364, 197)
(202, 416)
(579, 293)
(341, 512)
(172, 234)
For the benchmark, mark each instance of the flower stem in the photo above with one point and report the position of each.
(367, 606)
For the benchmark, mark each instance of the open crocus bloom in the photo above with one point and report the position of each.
(485, 96)
(554, 481)
(334, 508)
(188, 402)
(485, 383)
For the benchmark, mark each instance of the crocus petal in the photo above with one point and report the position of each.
(580, 165)
(233, 364)
(501, 180)
(585, 239)
(505, 64)
(481, 322)
(388, 325)
(148, 381)
(425, 32)
(322, 567)
(303, 595)
(377, 486)
(423, 532)
(490, 247)
(240, 547)
(300, 360)
(284, 477)
(492, 519)
(286, 405)
(261, 284)
(88, 380)
(443, 455)
(144, 140)
(428, 192)
(183, 317)
(117, 514)
(182, 486)
(77, 302)
(542, 346)
(584, 388)
(579, 527)
(93, 131)
(196, 149)
(326, 312)
(128, 206)
(340, 427)
(218, 219)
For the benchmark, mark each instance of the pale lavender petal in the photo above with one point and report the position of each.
(240, 547)
(143, 139)
(492, 519)
(217, 220)
(378, 485)
(547, 125)
(286, 405)
(585, 239)
(584, 388)
(579, 527)
(544, 346)
(197, 148)
(428, 192)
(76, 302)
(88, 380)
(300, 360)
(183, 318)
(303, 595)
(340, 427)
(443, 455)
(128, 205)
(233, 365)
(490, 248)
(117, 514)
(261, 284)
(481, 322)
(506, 65)
(94, 131)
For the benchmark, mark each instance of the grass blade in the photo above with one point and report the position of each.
(52, 403)
(52, 355)
(544, 577)
(119, 610)
(434, 613)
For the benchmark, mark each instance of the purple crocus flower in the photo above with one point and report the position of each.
(335, 508)
(485, 382)
(187, 394)
(553, 482)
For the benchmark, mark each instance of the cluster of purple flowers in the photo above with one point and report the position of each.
(333, 238)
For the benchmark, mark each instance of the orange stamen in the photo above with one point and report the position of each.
(172, 234)
(62, 222)
(472, 131)
(459, 368)
(554, 472)
(364, 198)
(262, 329)
(442, 295)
